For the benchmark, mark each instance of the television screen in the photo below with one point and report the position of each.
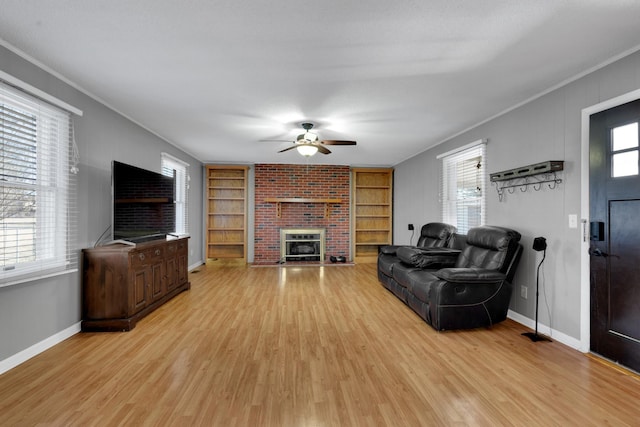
(143, 203)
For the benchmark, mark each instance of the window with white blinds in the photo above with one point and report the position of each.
(170, 165)
(37, 189)
(463, 185)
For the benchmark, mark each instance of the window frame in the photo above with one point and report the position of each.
(613, 152)
(52, 190)
(168, 164)
(452, 201)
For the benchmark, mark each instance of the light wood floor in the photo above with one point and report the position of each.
(310, 346)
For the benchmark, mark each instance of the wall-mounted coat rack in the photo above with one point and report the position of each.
(522, 178)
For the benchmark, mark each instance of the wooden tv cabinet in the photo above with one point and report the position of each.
(122, 283)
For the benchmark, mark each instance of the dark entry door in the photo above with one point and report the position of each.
(615, 234)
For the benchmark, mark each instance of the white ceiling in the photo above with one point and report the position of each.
(215, 77)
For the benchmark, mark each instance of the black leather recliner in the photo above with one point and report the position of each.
(474, 292)
(433, 234)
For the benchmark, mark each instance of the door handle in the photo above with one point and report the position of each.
(598, 252)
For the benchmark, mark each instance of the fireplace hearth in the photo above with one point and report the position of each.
(298, 244)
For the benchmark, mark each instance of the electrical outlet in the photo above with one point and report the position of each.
(411, 227)
(524, 291)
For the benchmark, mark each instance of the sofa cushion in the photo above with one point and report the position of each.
(401, 272)
(435, 234)
(385, 263)
(420, 284)
(457, 241)
(428, 257)
(487, 247)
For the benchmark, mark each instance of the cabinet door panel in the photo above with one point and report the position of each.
(157, 287)
(182, 269)
(172, 273)
(140, 284)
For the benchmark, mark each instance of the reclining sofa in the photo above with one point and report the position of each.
(463, 283)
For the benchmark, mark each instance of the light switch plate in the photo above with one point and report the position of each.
(573, 221)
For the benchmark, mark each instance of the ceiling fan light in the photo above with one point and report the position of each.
(310, 136)
(307, 150)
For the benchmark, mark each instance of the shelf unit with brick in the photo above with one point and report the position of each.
(227, 212)
(372, 200)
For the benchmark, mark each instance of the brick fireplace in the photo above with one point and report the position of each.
(273, 181)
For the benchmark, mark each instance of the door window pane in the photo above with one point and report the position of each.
(624, 150)
(625, 137)
(625, 164)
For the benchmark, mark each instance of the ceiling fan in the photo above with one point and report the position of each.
(308, 144)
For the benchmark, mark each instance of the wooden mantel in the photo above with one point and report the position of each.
(279, 200)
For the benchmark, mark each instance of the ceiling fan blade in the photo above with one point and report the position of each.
(337, 142)
(322, 149)
(274, 140)
(287, 149)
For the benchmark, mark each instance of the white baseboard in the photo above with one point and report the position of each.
(26, 354)
(545, 330)
(195, 265)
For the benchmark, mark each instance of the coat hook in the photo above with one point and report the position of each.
(511, 181)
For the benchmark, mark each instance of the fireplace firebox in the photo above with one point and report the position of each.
(302, 244)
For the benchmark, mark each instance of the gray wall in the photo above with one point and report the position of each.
(31, 312)
(547, 128)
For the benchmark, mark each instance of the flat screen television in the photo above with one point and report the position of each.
(143, 203)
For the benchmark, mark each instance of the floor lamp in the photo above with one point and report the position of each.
(539, 244)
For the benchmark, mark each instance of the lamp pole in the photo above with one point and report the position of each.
(539, 244)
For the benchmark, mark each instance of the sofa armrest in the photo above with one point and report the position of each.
(470, 275)
(469, 293)
(470, 286)
(389, 249)
(427, 257)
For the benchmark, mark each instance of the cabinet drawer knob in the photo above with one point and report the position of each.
(157, 251)
(141, 256)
